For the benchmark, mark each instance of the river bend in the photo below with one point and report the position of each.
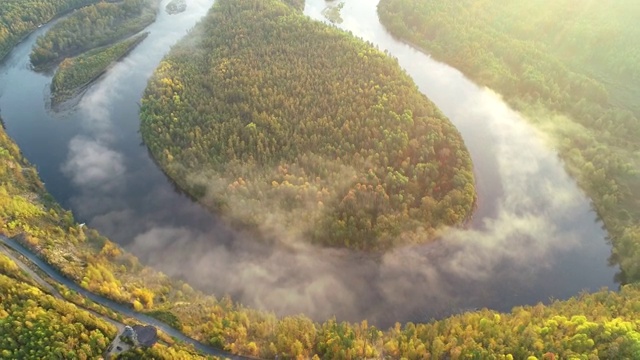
(533, 237)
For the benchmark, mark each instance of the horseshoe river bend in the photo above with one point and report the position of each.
(534, 235)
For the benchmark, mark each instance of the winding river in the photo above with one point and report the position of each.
(534, 235)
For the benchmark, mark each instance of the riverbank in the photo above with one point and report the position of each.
(8, 40)
(167, 347)
(74, 75)
(386, 171)
(120, 308)
(585, 116)
(515, 332)
(63, 40)
(42, 324)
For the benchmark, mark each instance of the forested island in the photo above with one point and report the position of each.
(75, 74)
(251, 116)
(572, 68)
(18, 18)
(602, 324)
(35, 325)
(90, 27)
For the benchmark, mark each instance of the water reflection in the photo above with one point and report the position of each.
(533, 237)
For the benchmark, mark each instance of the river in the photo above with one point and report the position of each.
(533, 237)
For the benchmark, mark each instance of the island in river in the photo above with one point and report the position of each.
(74, 75)
(601, 325)
(83, 59)
(296, 129)
(176, 6)
(94, 26)
(18, 18)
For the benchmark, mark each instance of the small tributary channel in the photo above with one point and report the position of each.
(534, 235)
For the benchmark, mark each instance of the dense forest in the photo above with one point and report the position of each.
(74, 74)
(176, 6)
(35, 325)
(93, 26)
(160, 352)
(252, 117)
(603, 325)
(573, 68)
(18, 18)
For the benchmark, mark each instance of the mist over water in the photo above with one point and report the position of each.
(534, 235)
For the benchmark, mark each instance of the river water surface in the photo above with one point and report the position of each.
(534, 235)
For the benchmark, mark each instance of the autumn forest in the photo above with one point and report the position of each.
(385, 162)
(296, 132)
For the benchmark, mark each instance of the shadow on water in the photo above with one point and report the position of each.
(533, 237)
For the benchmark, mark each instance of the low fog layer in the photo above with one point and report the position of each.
(521, 247)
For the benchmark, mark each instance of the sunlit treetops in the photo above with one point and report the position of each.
(93, 26)
(35, 325)
(288, 125)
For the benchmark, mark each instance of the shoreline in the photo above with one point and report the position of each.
(78, 91)
(31, 32)
(50, 65)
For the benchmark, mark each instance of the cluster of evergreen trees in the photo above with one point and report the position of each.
(287, 118)
(93, 26)
(36, 325)
(18, 18)
(74, 74)
(161, 352)
(572, 68)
